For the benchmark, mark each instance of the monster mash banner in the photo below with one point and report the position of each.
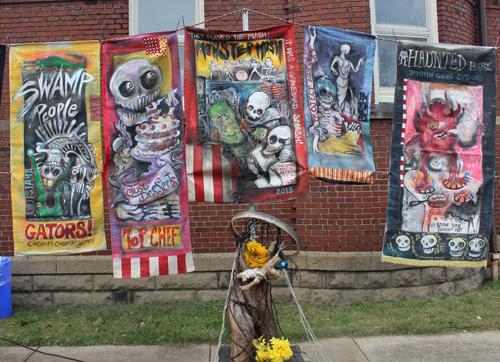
(55, 135)
(245, 127)
(145, 168)
(2, 65)
(338, 69)
(443, 156)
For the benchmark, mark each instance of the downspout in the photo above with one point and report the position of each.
(481, 10)
(494, 255)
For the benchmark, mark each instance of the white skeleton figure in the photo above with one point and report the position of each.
(279, 139)
(256, 66)
(214, 69)
(403, 57)
(228, 67)
(261, 117)
(268, 67)
(342, 74)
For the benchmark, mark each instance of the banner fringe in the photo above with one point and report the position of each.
(447, 263)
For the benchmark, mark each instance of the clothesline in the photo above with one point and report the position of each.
(243, 10)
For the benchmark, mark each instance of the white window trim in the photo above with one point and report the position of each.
(133, 18)
(386, 94)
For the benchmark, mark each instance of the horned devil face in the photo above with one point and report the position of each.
(257, 105)
(136, 84)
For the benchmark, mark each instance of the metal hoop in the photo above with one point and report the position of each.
(270, 219)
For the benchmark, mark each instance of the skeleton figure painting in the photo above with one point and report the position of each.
(338, 78)
(244, 127)
(56, 148)
(443, 157)
(146, 179)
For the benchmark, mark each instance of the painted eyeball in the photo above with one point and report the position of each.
(149, 80)
(127, 89)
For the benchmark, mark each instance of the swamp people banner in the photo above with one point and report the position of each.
(245, 128)
(338, 72)
(55, 135)
(145, 161)
(443, 156)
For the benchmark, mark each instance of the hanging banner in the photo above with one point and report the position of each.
(443, 156)
(145, 167)
(2, 65)
(338, 70)
(245, 127)
(55, 135)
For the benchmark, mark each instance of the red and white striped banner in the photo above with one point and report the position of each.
(209, 173)
(153, 266)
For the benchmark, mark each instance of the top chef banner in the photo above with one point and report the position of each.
(245, 109)
(145, 169)
(56, 161)
(338, 70)
(443, 156)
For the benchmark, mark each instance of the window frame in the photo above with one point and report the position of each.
(386, 94)
(133, 18)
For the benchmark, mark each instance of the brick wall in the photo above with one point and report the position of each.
(335, 217)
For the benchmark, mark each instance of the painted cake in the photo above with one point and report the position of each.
(157, 137)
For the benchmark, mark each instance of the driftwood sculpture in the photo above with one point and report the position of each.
(250, 307)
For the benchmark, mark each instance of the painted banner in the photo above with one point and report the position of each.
(338, 71)
(55, 135)
(245, 128)
(145, 160)
(2, 65)
(443, 156)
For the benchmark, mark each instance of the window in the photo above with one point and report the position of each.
(147, 16)
(410, 20)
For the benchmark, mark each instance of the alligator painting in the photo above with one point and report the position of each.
(53, 62)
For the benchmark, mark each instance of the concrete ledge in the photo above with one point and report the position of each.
(205, 262)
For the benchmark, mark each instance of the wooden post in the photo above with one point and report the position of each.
(250, 313)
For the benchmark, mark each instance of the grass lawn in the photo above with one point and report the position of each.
(145, 324)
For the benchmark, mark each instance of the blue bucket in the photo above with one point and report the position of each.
(5, 294)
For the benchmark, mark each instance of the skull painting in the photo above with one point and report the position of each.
(429, 243)
(326, 92)
(403, 242)
(280, 139)
(457, 247)
(134, 85)
(476, 246)
(257, 105)
(53, 168)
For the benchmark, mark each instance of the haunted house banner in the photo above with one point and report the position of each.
(55, 135)
(145, 161)
(245, 127)
(443, 156)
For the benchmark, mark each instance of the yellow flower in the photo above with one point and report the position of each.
(276, 350)
(255, 254)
